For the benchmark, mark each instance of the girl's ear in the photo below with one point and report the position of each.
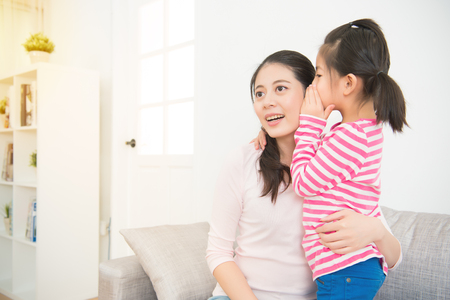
(350, 83)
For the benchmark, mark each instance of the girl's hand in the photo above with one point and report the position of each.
(349, 231)
(312, 104)
(260, 140)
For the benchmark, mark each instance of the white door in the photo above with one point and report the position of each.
(156, 82)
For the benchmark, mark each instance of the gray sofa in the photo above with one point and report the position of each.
(173, 258)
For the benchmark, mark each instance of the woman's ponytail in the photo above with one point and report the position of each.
(389, 102)
(273, 170)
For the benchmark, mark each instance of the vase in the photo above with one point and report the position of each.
(2, 121)
(7, 225)
(39, 56)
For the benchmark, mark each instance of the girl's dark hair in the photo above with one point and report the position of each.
(360, 48)
(271, 168)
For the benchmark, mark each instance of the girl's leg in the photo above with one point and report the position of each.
(360, 281)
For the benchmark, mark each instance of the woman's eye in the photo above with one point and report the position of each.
(280, 88)
(318, 75)
(259, 94)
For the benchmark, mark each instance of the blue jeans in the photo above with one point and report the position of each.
(219, 298)
(360, 281)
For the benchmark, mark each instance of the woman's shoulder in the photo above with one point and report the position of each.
(242, 157)
(244, 153)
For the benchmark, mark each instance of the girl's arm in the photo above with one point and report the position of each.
(260, 141)
(226, 212)
(319, 165)
(349, 231)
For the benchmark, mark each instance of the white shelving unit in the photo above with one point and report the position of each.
(63, 262)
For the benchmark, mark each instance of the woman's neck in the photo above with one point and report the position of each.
(286, 145)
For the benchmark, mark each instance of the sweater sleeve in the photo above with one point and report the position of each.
(226, 212)
(319, 165)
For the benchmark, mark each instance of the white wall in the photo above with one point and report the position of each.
(81, 31)
(235, 36)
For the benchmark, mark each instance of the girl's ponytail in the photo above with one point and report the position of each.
(389, 102)
(360, 48)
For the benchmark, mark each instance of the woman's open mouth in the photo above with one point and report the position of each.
(274, 119)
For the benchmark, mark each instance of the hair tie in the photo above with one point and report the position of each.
(379, 73)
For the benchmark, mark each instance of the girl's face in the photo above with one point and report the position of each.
(323, 80)
(278, 99)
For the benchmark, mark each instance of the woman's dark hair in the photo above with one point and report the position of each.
(359, 48)
(271, 168)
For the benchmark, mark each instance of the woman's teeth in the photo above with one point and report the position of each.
(271, 118)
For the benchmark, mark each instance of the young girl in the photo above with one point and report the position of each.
(341, 170)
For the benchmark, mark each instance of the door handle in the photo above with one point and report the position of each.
(132, 143)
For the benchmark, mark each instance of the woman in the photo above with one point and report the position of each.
(254, 197)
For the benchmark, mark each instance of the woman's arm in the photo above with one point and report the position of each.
(226, 212)
(233, 282)
(350, 231)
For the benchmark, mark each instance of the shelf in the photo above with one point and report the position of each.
(31, 184)
(3, 234)
(65, 187)
(24, 241)
(26, 128)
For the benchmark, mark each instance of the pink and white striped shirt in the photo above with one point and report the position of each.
(340, 170)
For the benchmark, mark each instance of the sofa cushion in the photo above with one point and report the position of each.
(424, 271)
(124, 279)
(173, 256)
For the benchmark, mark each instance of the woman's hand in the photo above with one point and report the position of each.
(312, 104)
(349, 231)
(260, 140)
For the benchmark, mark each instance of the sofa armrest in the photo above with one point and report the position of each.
(123, 278)
(425, 240)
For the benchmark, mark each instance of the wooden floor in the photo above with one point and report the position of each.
(3, 297)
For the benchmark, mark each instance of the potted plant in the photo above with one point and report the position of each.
(39, 47)
(33, 159)
(6, 217)
(3, 104)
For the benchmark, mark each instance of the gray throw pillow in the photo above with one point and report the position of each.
(173, 256)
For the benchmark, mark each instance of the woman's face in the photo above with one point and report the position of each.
(278, 99)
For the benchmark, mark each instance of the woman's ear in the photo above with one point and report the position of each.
(350, 83)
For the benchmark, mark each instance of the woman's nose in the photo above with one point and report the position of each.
(270, 100)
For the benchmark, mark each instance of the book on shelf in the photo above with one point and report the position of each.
(7, 169)
(33, 222)
(27, 104)
(33, 106)
(30, 232)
